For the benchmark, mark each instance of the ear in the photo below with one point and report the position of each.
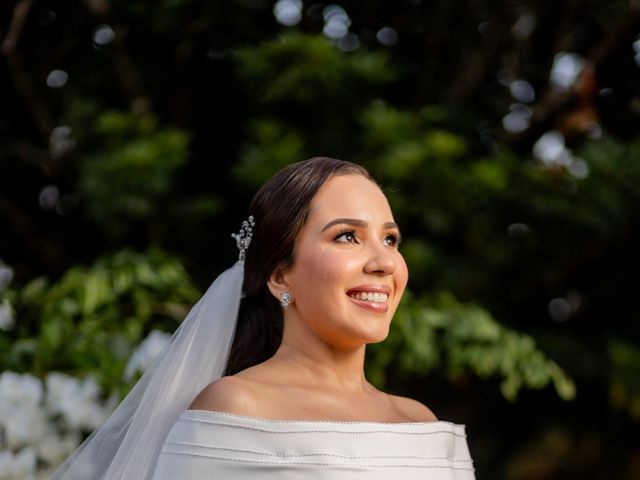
(278, 283)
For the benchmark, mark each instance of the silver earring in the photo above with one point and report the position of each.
(285, 300)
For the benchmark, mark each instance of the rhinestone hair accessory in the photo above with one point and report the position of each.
(243, 237)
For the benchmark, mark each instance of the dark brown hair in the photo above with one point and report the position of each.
(280, 209)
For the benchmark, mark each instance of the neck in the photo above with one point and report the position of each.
(312, 359)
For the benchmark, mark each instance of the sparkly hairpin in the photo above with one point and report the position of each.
(243, 237)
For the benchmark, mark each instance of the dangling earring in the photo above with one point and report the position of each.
(285, 300)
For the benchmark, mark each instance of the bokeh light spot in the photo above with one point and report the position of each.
(518, 119)
(337, 22)
(349, 43)
(515, 122)
(550, 149)
(103, 35)
(387, 36)
(7, 322)
(606, 92)
(594, 130)
(6, 275)
(48, 197)
(518, 229)
(565, 70)
(60, 141)
(559, 309)
(524, 26)
(288, 12)
(522, 91)
(578, 168)
(57, 78)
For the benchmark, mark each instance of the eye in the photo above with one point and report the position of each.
(347, 236)
(392, 240)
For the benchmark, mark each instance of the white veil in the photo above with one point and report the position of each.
(126, 447)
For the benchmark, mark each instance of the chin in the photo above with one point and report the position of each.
(378, 339)
(356, 339)
(376, 336)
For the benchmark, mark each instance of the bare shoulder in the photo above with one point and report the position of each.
(410, 408)
(227, 394)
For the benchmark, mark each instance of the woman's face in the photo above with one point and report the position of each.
(348, 275)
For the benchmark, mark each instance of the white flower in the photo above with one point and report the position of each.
(19, 389)
(21, 416)
(26, 426)
(24, 463)
(77, 401)
(39, 428)
(146, 353)
(54, 449)
(6, 459)
(18, 466)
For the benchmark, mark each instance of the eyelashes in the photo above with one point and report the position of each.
(396, 239)
(351, 236)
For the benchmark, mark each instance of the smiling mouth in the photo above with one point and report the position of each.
(376, 297)
(371, 301)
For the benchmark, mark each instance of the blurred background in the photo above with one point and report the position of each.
(133, 135)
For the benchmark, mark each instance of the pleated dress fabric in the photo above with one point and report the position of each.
(205, 445)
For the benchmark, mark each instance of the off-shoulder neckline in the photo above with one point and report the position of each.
(314, 421)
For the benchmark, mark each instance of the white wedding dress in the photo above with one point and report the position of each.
(205, 445)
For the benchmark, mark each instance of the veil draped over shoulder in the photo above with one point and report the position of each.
(126, 447)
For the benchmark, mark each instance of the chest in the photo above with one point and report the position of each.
(301, 403)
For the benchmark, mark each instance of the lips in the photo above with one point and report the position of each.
(370, 297)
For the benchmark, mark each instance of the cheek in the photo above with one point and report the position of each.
(312, 274)
(402, 274)
(324, 271)
(332, 270)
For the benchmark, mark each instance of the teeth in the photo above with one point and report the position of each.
(370, 296)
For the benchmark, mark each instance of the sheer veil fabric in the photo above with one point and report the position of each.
(127, 446)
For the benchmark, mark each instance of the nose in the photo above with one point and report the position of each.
(382, 260)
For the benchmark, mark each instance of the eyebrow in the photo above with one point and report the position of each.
(356, 223)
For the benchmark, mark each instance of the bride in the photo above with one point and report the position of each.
(265, 378)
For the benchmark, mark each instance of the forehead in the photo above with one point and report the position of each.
(349, 196)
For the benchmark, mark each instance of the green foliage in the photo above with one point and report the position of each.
(439, 331)
(132, 171)
(624, 392)
(310, 76)
(275, 147)
(305, 70)
(89, 320)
